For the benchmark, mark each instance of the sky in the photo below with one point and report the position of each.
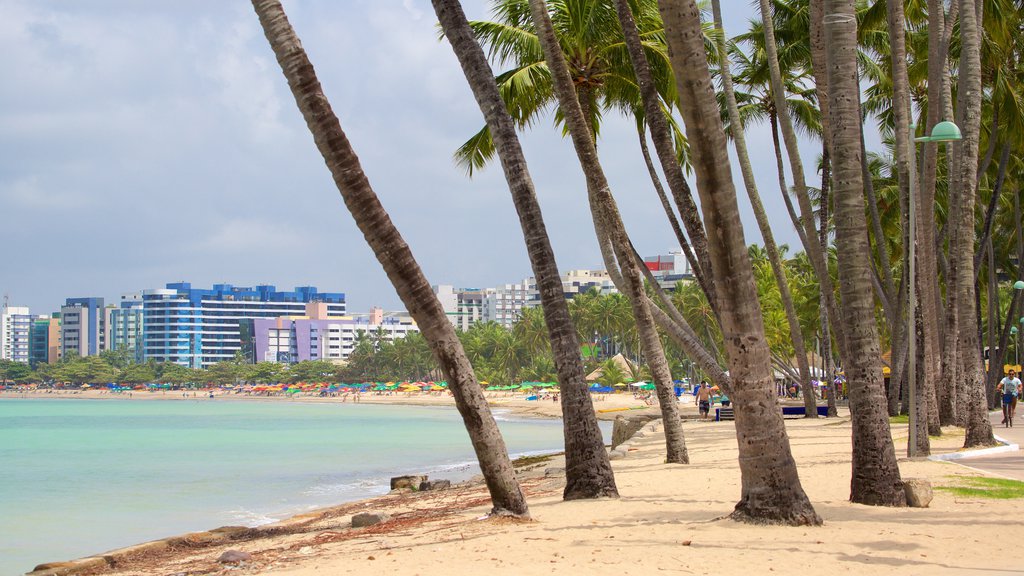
(150, 142)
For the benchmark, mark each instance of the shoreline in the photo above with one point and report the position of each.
(667, 518)
(606, 406)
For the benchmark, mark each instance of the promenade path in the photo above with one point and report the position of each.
(1010, 463)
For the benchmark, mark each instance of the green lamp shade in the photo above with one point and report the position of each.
(1013, 329)
(1018, 285)
(946, 131)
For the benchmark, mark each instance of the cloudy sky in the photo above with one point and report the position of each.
(151, 142)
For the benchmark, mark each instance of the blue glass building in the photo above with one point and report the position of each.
(199, 327)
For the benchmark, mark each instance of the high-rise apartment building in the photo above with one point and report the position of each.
(463, 306)
(504, 304)
(14, 333)
(85, 326)
(126, 324)
(200, 327)
(44, 339)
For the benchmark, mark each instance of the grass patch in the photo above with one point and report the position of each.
(983, 487)
(530, 460)
(900, 419)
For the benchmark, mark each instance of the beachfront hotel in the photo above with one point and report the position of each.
(199, 327)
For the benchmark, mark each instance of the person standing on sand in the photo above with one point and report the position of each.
(703, 399)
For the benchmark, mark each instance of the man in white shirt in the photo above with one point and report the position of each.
(1010, 388)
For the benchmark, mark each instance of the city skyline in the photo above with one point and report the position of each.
(146, 143)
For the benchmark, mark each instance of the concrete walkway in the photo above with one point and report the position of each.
(1007, 460)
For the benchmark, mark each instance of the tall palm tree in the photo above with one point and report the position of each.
(810, 235)
(588, 470)
(611, 231)
(771, 489)
(779, 271)
(969, 95)
(396, 258)
(592, 44)
(876, 476)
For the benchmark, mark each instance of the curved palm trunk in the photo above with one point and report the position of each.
(587, 469)
(876, 477)
(664, 147)
(979, 429)
(607, 221)
(396, 258)
(670, 213)
(771, 489)
(774, 258)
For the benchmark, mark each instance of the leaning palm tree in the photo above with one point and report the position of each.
(771, 489)
(611, 233)
(588, 470)
(592, 45)
(396, 258)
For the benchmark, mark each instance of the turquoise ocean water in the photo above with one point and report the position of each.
(79, 477)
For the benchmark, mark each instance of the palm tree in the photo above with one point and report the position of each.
(876, 476)
(610, 230)
(809, 236)
(771, 490)
(588, 470)
(396, 258)
(599, 64)
(969, 95)
(778, 270)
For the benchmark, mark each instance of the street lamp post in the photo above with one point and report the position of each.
(944, 131)
(1016, 342)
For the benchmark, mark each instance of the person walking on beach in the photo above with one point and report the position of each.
(1010, 387)
(703, 399)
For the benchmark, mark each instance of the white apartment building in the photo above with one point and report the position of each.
(463, 306)
(505, 303)
(15, 322)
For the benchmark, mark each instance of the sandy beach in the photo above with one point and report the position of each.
(606, 406)
(669, 518)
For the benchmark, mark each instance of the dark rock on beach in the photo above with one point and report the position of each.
(919, 492)
(234, 557)
(410, 482)
(435, 485)
(369, 519)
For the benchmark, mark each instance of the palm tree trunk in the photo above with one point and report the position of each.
(934, 328)
(684, 244)
(588, 470)
(396, 258)
(607, 221)
(811, 246)
(969, 95)
(663, 146)
(876, 476)
(771, 489)
(774, 258)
